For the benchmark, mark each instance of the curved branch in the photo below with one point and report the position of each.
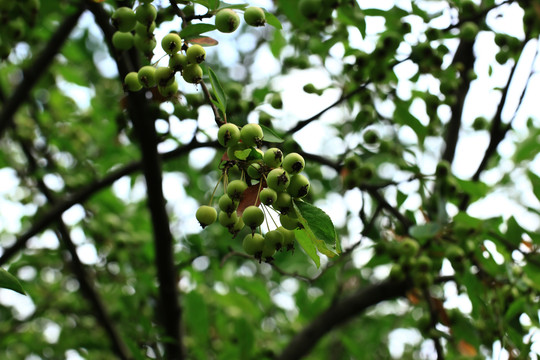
(32, 73)
(338, 313)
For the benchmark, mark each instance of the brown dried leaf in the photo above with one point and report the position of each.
(466, 349)
(248, 198)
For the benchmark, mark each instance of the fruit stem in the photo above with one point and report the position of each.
(258, 193)
(215, 188)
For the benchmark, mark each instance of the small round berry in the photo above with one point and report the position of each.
(147, 76)
(274, 240)
(310, 8)
(131, 82)
(164, 76)
(227, 204)
(192, 74)
(196, 54)
(171, 43)
(276, 101)
(168, 90)
(254, 16)
(273, 157)
(206, 215)
(283, 203)
(227, 21)
(254, 170)
(299, 186)
(288, 237)
(293, 163)
(124, 19)
(228, 135)
(146, 14)
(178, 61)
(227, 220)
(238, 225)
(236, 188)
(278, 179)
(253, 216)
(288, 222)
(145, 30)
(122, 40)
(253, 244)
(268, 196)
(145, 44)
(251, 135)
(371, 137)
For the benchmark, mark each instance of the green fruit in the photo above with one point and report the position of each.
(352, 163)
(293, 163)
(236, 188)
(228, 135)
(268, 196)
(226, 219)
(188, 11)
(409, 247)
(254, 170)
(469, 30)
(131, 82)
(253, 244)
(145, 44)
(310, 8)
(276, 101)
(283, 203)
(371, 137)
(164, 76)
(124, 19)
(299, 186)
(147, 76)
(227, 204)
(274, 239)
(273, 157)
(192, 73)
(145, 30)
(122, 40)
(146, 14)
(310, 89)
(196, 54)
(278, 179)
(288, 237)
(171, 43)
(288, 222)
(206, 215)
(268, 251)
(178, 61)
(253, 216)
(251, 135)
(227, 21)
(169, 90)
(424, 263)
(254, 16)
(237, 227)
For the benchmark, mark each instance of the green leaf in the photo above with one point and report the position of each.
(535, 180)
(277, 43)
(195, 30)
(270, 135)
(225, 5)
(204, 3)
(218, 89)
(403, 116)
(242, 154)
(319, 222)
(425, 231)
(218, 105)
(272, 20)
(8, 281)
(214, 4)
(196, 316)
(514, 234)
(307, 244)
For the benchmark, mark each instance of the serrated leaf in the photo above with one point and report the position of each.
(269, 135)
(319, 222)
(8, 281)
(255, 155)
(218, 89)
(317, 242)
(272, 20)
(195, 30)
(242, 154)
(307, 244)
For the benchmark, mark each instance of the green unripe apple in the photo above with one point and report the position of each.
(196, 54)
(469, 30)
(253, 244)
(273, 157)
(288, 237)
(409, 247)
(178, 61)
(293, 163)
(164, 76)
(236, 188)
(122, 40)
(288, 222)
(227, 219)
(283, 203)
(168, 90)
(147, 76)
(273, 241)
(227, 20)
(145, 44)
(310, 8)
(206, 215)
(171, 43)
(226, 204)
(254, 170)
(237, 227)
(146, 14)
(251, 135)
(268, 196)
(253, 216)
(192, 73)
(131, 82)
(371, 137)
(228, 134)
(124, 19)
(299, 186)
(254, 16)
(278, 179)
(188, 11)
(145, 30)
(276, 101)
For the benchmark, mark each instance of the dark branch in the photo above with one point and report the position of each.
(32, 73)
(218, 119)
(338, 313)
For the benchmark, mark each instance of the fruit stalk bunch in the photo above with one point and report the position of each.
(275, 179)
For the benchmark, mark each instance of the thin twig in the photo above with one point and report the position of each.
(217, 117)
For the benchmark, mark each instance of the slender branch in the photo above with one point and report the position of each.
(382, 202)
(433, 322)
(218, 119)
(32, 73)
(339, 313)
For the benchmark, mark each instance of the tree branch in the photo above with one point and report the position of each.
(32, 73)
(338, 313)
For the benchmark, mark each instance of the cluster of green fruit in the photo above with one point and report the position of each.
(278, 181)
(410, 262)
